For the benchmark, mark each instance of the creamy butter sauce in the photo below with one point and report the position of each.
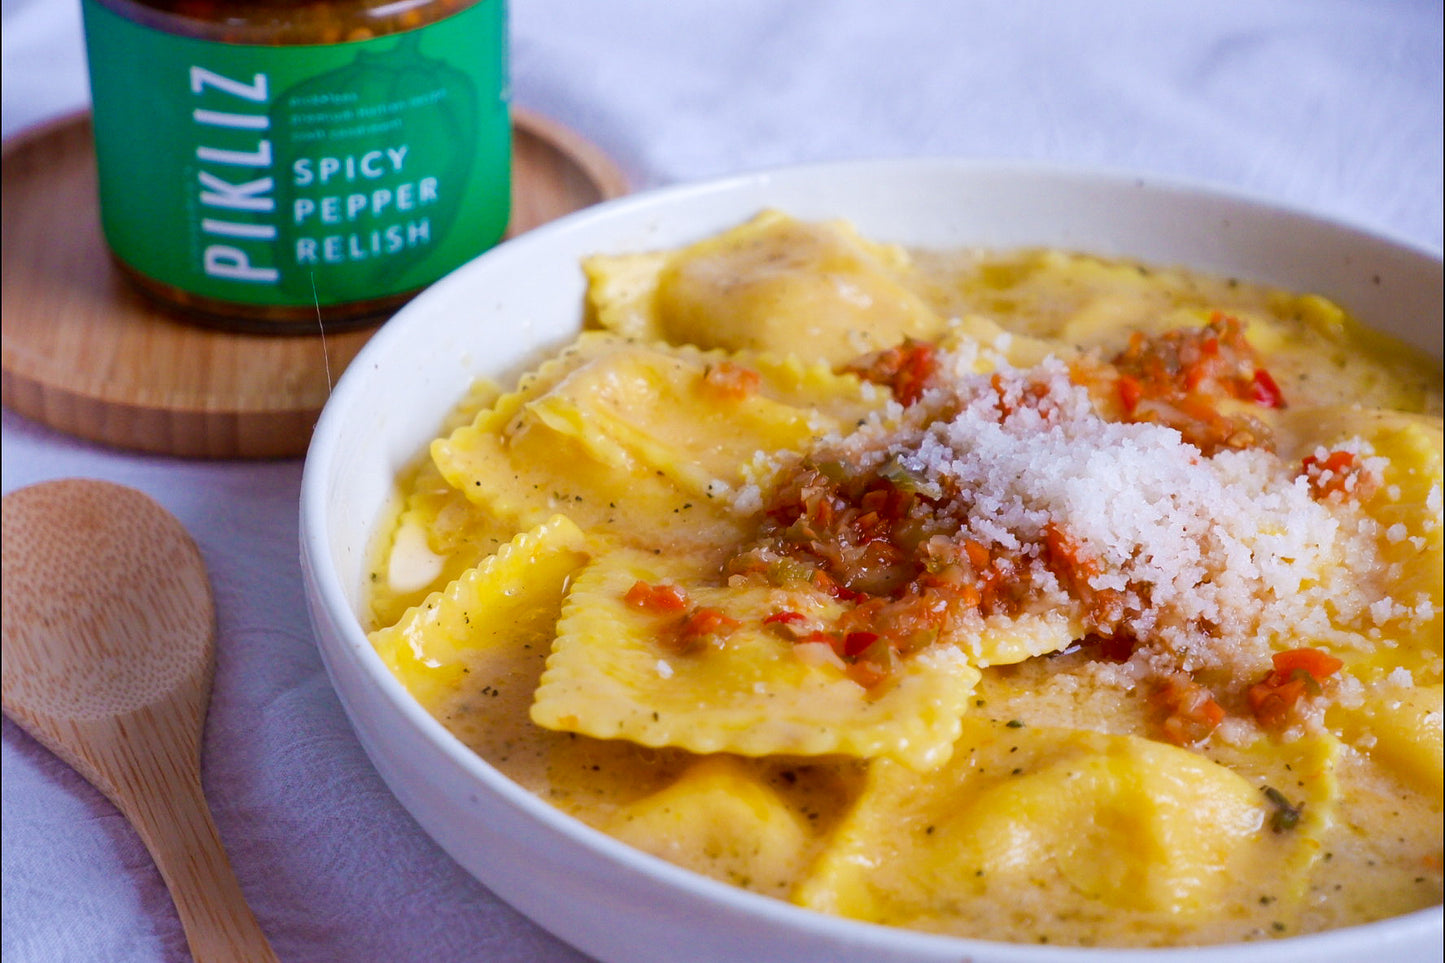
(1102, 785)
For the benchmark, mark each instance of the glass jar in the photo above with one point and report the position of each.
(268, 165)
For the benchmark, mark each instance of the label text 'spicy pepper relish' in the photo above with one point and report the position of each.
(268, 164)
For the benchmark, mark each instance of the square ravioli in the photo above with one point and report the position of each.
(624, 437)
(503, 609)
(617, 671)
(1026, 595)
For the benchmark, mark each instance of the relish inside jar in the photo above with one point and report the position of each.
(272, 166)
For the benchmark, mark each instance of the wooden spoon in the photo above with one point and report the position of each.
(108, 655)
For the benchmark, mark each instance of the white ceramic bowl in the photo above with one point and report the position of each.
(494, 315)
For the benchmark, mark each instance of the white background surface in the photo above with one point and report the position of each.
(1331, 105)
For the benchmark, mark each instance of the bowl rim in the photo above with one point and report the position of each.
(331, 597)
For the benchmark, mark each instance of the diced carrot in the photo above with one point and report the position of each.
(1335, 461)
(730, 380)
(1195, 375)
(707, 621)
(917, 367)
(1190, 712)
(656, 598)
(1067, 557)
(1321, 665)
(1297, 673)
(1131, 392)
(978, 555)
(905, 368)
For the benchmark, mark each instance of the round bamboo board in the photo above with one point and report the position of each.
(85, 353)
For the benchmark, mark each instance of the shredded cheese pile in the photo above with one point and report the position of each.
(1209, 559)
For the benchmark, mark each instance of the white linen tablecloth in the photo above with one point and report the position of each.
(1332, 105)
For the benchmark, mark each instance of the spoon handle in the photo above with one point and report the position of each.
(183, 840)
(163, 799)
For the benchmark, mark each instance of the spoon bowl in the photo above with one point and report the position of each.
(108, 657)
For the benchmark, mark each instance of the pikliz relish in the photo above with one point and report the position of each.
(271, 166)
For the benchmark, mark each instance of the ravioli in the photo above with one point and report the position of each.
(649, 410)
(1019, 595)
(1411, 537)
(721, 819)
(613, 674)
(1400, 725)
(1033, 824)
(634, 440)
(504, 608)
(439, 533)
(774, 284)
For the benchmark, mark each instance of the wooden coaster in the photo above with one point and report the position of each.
(85, 353)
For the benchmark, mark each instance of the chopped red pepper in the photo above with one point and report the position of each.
(684, 628)
(856, 643)
(783, 617)
(1180, 378)
(835, 588)
(1337, 474)
(790, 625)
(1265, 391)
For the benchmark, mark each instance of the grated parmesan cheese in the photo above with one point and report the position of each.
(1217, 557)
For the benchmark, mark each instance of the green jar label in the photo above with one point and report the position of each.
(301, 174)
